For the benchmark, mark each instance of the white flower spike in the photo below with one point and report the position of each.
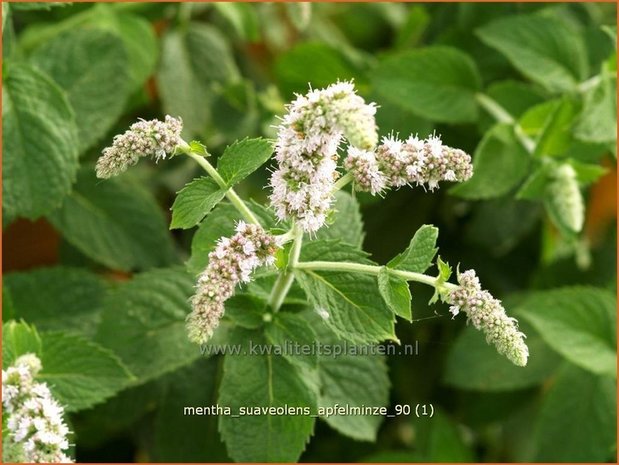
(36, 429)
(154, 138)
(231, 263)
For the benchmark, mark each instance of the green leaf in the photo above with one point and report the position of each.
(263, 381)
(438, 440)
(143, 322)
(544, 49)
(420, 252)
(293, 74)
(292, 334)
(437, 83)
(347, 225)
(194, 201)
(193, 59)
(515, 97)
(578, 323)
(181, 437)
(115, 223)
(246, 310)
(91, 67)
(474, 364)
(351, 379)
(221, 222)
(79, 372)
(242, 158)
(579, 413)
(19, 338)
(396, 293)
(598, 121)
(499, 164)
(350, 302)
(300, 14)
(138, 36)
(39, 143)
(555, 137)
(242, 17)
(57, 298)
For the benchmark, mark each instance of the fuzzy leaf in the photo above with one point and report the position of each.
(420, 252)
(544, 49)
(351, 379)
(499, 164)
(578, 323)
(194, 202)
(437, 83)
(79, 372)
(19, 338)
(242, 158)
(598, 121)
(355, 308)
(58, 298)
(115, 223)
(578, 412)
(290, 328)
(396, 293)
(347, 225)
(39, 160)
(263, 381)
(474, 364)
(92, 68)
(143, 321)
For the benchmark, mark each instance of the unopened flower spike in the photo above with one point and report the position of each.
(156, 139)
(306, 150)
(36, 430)
(488, 315)
(231, 263)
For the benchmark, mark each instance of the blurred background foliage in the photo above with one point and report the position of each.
(228, 69)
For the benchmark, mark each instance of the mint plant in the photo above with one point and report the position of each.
(303, 190)
(208, 260)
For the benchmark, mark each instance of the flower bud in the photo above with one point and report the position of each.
(488, 315)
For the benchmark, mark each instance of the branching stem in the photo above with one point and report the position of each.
(286, 277)
(232, 196)
(373, 270)
(502, 116)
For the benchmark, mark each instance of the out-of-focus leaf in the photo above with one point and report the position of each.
(39, 162)
(437, 83)
(499, 164)
(114, 222)
(476, 365)
(577, 322)
(579, 413)
(92, 68)
(79, 372)
(544, 49)
(58, 298)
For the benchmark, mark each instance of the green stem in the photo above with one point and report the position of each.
(502, 116)
(286, 278)
(343, 181)
(373, 270)
(230, 193)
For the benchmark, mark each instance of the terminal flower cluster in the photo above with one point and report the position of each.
(306, 150)
(36, 430)
(395, 163)
(154, 138)
(232, 262)
(488, 315)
